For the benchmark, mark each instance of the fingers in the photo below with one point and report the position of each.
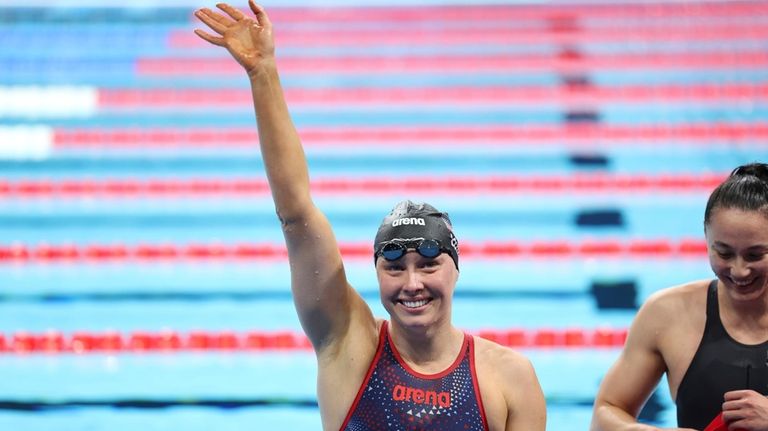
(213, 20)
(732, 406)
(221, 23)
(735, 405)
(219, 41)
(735, 395)
(738, 424)
(232, 12)
(261, 15)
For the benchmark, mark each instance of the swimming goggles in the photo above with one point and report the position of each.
(395, 249)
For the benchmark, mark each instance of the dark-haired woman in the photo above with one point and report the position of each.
(416, 371)
(710, 337)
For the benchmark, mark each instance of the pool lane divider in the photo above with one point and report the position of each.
(569, 94)
(61, 101)
(83, 342)
(499, 135)
(686, 11)
(454, 185)
(468, 34)
(714, 60)
(16, 253)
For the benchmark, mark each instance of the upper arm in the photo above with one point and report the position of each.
(632, 378)
(526, 406)
(324, 300)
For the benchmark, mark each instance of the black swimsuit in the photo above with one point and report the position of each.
(721, 364)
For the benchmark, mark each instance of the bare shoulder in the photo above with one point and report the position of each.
(673, 302)
(511, 393)
(667, 317)
(500, 357)
(508, 367)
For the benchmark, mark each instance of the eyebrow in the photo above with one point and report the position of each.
(754, 247)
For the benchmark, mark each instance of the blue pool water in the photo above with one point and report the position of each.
(76, 44)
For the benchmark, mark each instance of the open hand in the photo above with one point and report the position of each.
(249, 40)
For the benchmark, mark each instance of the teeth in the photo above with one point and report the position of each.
(415, 304)
(742, 283)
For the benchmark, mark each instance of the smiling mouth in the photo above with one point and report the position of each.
(415, 304)
(747, 286)
(743, 283)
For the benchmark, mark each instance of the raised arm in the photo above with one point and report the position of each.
(324, 300)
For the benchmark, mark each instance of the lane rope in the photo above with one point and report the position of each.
(81, 342)
(639, 248)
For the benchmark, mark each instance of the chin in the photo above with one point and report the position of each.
(415, 321)
(421, 321)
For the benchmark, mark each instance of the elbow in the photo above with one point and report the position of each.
(288, 219)
(298, 212)
(597, 416)
(607, 416)
(601, 411)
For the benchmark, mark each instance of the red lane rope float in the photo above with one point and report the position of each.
(443, 135)
(240, 98)
(683, 11)
(583, 183)
(83, 342)
(633, 31)
(103, 253)
(565, 62)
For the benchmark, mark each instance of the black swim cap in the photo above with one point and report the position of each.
(409, 221)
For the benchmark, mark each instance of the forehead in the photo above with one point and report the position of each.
(734, 226)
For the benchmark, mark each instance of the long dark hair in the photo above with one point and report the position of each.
(745, 189)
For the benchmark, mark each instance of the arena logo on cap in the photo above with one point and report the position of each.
(409, 221)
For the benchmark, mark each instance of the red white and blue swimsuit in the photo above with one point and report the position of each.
(395, 397)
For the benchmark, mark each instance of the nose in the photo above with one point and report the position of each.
(413, 282)
(740, 269)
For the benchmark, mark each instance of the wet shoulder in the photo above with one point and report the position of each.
(676, 301)
(508, 384)
(670, 311)
(504, 362)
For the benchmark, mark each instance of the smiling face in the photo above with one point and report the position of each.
(417, 291)
(738, 252)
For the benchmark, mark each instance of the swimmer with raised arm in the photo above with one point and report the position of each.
(415, 371)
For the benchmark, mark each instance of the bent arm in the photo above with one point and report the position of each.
(323, 298)
(632, 378)
(623, 393)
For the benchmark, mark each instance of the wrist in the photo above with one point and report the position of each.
(264, 68)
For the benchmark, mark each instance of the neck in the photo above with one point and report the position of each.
(750, 313)
(433, 346)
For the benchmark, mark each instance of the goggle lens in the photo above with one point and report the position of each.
(394, 250)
